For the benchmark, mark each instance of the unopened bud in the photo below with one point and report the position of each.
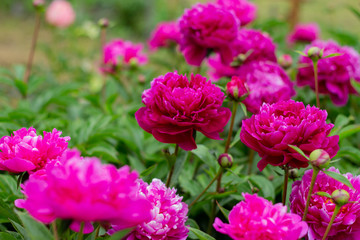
(315, 53)
(319, 158)
(237, 89)
(141, 78)
(285, 61)
(103, 22)
(255, 190)
(340, 197)
(225, 160)
(38, 4)
(293, 173)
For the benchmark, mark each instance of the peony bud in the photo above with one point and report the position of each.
(38, 4)
(319, 158)
(315, 53)
(293, 173)
(340, 197)
(237, 89)
(225, 160)
(103, 22)
(285, 61)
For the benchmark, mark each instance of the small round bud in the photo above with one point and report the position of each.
(225, 160)
(293, 173)
(319, 158)
(141, 78)
(315, 53)
(340, 197)
(237, 89)
(103, 22)
(38, 4)
(255, 190)
(271, 177)
(285, 61)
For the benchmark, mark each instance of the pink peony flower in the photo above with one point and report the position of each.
(257, 218)
(168, 213)
(304, 33)
(60, 14)
(245, 11)
(26, 151)
(119, 52)
(165, 33)
(84, 190)
(175, 108)
(334, 73)
(207, 27)
(347, 222)
(288, 122)
(267, 82)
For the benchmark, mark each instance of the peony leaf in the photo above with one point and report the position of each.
(356, 85)
(351, 153)
(6, 236)
(301, 53)
(355, 11)
(34, 229)
(340, 122)
(324, 194)
(333, 55)
(265, 186)
(200, 234)
(120, 234)
(224, 211)
(148, 171)
(236, 138)
(298, 150)
(243, 107)
(349, 130)
(339, 177)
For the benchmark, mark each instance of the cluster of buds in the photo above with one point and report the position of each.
(237, 89)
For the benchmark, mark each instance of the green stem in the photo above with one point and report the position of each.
(251, 160)
(97, 230)
(313, 179)
(315, 64)
(80, 235)
(103, 42)
(286, 178)
(233, 114)
(56, 236)
(335, 213)
(168, 181)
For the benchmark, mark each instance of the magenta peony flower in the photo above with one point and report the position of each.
(119, 52)
(207, 27)
(267, 82)
(60, 14)
(84, 190)
(257, 218)
(26, 151)
(175, 108)
(165, 33)
(169, 214)
(288, 122)
(304, 33)
(245, 11)
(347, 222)
(334, 73)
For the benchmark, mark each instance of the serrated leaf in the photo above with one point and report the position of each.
(200, 234)
(34, 229)
(339, 177)
(298, 150)
(324, 194)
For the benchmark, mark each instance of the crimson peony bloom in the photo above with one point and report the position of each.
(164, 34)
(334, 73)
(26, 151)
(168, 214)
(84, 190)
(288, 122)
(245, 11)
(267, 82)
(175, 108)
(304, 33)
(119, 52)
(207, 27)
(60, 14)
(347, 222)
(257, 218)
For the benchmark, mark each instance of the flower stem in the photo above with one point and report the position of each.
(207, 187)
(286, 178)
(56, 236)
(168, 181)
(313, 179)
(335, 213)
(102, 42)
(315, 64)
(32, 49)
(80, 235)
(251, 160)
(233, 114)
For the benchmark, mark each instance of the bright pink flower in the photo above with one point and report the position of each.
(288, 122)
(175, 108)
(334, 73)
(169, 214)
(207, 27)
(164, 34)
(347, 222)
(304, 33)
(257, 218)
(267, 82)
(26, 151)
(84, 190)
(119, 52)
(245, 11)
(60, 14)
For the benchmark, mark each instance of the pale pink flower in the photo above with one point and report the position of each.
(60, 14)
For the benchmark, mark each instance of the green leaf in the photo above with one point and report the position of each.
(148, 171)
(333, 55)
(301, 53)
(21, 86)
(236, 138)
(349, 130)
(350, 152)
(264, 185)
(200, 234)
(340, 122)
(20, 230)
(356, 85)
(339, 177)
(179, 164)
(6, 236)
(205, 156)
(324, 194)
(224, 211)
(355, 11)
(120, 234)
(298, 150)
(34, 229)
(7, 213)
(243, 107)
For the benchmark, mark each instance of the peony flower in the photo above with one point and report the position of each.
(176, 108)
(288, 122)
(347, 222)
(267, 82)
(60, 14)
(119, 52)
(168, 214)
(26, 151)
(257, 218)
(84, 190)
(207, 27)
(165, 33)
(250, 45)
(304, 33)
(245, 11)
(334, 73)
